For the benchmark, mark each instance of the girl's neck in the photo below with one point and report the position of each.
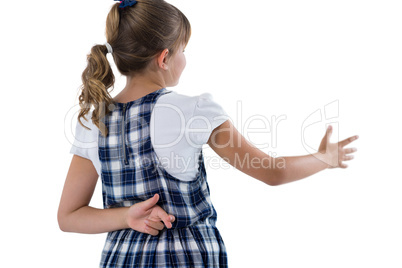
(138, 86)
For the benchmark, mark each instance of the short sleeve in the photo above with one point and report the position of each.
(207, 115)
(86, 142)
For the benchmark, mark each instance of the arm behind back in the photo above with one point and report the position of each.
(231, 145)
(78, 188)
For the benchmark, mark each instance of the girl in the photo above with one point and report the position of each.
(140, 134)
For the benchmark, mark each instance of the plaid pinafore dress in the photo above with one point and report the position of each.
(131, 173)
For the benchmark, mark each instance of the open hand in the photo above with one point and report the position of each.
(334, 152)
(147, 217)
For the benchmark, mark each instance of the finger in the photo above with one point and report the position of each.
(348, 140)
(166, 218)
(149, 203)
(171, 219)
(167, 221)
(150, 230)
(348, 157)
(350, 150)
(158, 225)
(342, 165)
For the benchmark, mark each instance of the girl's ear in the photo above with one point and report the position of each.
(162, 59)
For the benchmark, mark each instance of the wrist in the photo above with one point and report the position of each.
(324, 158)
(125, 219)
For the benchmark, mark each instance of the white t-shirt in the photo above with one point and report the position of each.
(179, 126)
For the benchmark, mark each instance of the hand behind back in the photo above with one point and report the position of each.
(147, 217)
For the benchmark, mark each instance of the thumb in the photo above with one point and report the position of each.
(328, 134)
(149, 203)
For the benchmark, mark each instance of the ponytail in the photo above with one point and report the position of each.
(96, 79)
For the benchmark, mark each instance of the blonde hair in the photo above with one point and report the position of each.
(137, 34)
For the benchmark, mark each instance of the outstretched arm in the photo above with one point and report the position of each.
(75, 214)
(229, 144)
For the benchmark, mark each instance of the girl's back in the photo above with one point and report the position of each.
(131, 173)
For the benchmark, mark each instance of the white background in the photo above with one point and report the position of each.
(288, 58)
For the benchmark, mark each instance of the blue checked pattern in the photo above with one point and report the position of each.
(131, 173)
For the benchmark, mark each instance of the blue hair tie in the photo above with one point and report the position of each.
(127, 3)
